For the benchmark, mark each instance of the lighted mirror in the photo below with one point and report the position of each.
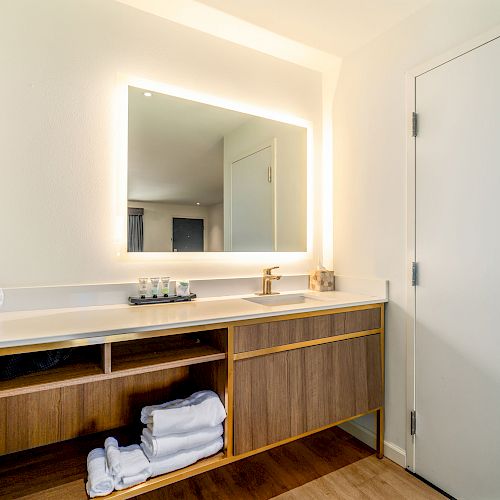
(207, 179)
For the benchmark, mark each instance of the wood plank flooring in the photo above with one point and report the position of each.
(369, 478)
(331, 464)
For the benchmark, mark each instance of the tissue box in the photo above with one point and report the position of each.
(322, 280)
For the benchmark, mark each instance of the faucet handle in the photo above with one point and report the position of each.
(268, 270)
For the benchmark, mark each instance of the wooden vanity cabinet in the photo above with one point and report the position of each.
(301, 388)
(280, 378)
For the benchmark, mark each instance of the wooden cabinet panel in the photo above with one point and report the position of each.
(31, 420)
(359, 321)
(261, 389)
(276, 333)
(296, 373)
(286, 394)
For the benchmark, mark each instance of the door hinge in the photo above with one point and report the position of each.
(414, 124)
(414, 273)
(269, 174)
(413, 422)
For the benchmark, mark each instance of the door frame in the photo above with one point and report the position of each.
(272, 143)
(190, 217)
(411, 151)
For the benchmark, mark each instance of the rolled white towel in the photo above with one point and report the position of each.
(128, 464)
(172, 443)
(169, 463)
(201, 409)
(113, 456)
(100, 482)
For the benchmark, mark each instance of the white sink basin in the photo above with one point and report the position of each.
(282, 300)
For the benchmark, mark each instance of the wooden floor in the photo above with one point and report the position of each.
(370, 478)
(273, 472)
(331, 464)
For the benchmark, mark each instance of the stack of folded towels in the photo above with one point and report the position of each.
(177, 434)
(115, 468)
(183, 431)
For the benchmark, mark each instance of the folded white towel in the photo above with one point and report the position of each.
(201, 409)
(100, 482)
(172, 443)
(128, 464)
(169, 463)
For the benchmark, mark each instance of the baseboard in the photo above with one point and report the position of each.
(391, 450)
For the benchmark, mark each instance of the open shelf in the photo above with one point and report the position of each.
(56, 466)
(202, 465)
(90, 391)
(82, 363)
(162, 353)
(120, 359)
(59, 470)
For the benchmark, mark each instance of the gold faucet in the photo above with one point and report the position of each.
(267, 279)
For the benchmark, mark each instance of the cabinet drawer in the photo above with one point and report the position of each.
(286, 394)
(276, 333)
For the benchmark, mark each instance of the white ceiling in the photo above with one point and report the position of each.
(175, 145)
(334, 26)
(175, 150)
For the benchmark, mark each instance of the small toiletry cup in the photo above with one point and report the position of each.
(155, 284)
(182, 288)
(143, 287)
(165, 286)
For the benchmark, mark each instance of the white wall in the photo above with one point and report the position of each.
(157, 222)
(61, 60)
(291, 176)
(370, 130)
(216, 228)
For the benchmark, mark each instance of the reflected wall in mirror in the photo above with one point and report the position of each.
(208, 179)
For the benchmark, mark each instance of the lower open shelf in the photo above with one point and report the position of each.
(53, 418)
(154, 483)
(59, 471)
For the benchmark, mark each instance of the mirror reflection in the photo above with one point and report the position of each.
(208, 179)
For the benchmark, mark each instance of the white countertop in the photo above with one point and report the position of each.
(54, 325)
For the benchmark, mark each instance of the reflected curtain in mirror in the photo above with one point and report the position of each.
(135, 230)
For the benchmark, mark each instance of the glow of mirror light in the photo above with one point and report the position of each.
(121, 173)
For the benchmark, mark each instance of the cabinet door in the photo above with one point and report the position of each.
(286, 394)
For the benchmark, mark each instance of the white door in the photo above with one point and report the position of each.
(252, 202)
(457, 349)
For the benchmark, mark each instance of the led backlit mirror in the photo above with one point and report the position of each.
(208, 179)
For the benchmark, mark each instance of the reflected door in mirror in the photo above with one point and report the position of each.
(252, 203)
(187, 235)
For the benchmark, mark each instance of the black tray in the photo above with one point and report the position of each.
(138, 301)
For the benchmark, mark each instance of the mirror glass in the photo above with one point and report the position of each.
(208, 179)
